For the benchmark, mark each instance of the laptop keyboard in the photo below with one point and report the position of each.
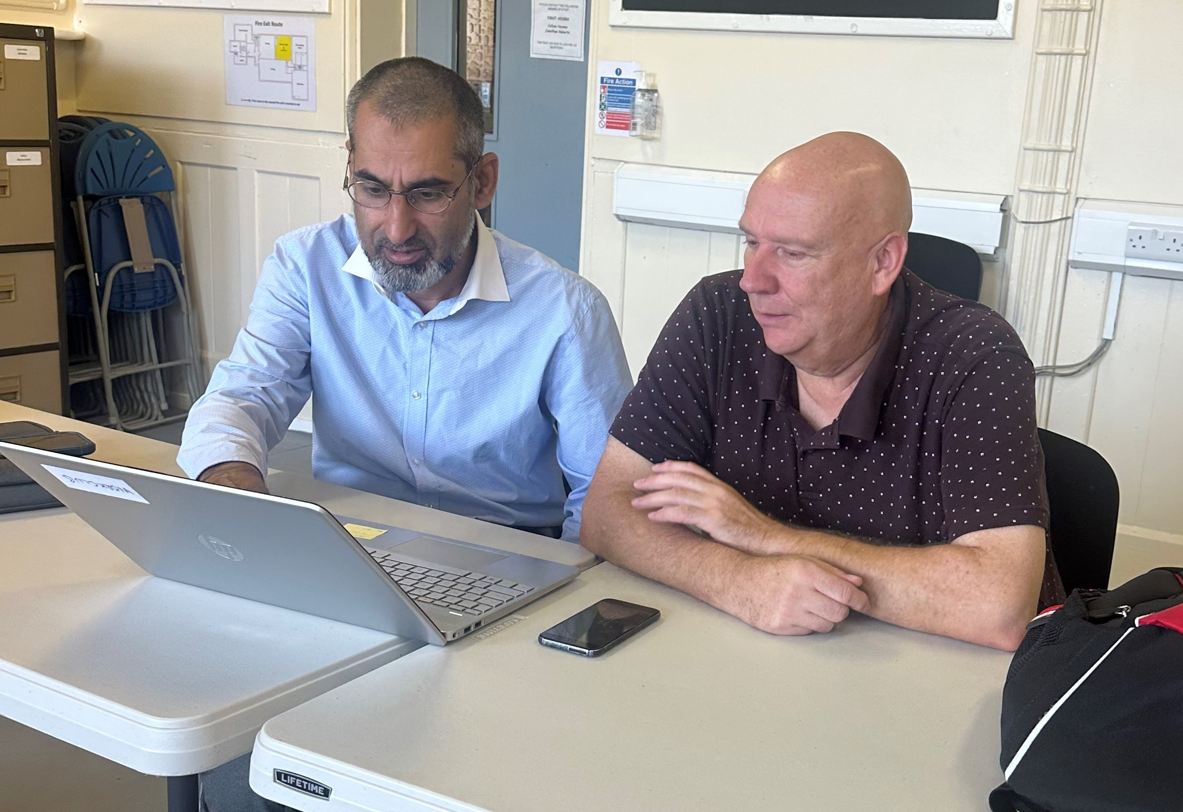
(468, 592)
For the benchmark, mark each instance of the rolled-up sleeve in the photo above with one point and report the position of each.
(254, 395)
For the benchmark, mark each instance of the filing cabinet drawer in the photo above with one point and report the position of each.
(26, 196)
(33, 380)
(24, 90)
(28, 300)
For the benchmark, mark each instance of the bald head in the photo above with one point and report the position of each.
(857, 180)
(826, 233)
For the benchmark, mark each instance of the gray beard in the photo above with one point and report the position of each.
(394, 278)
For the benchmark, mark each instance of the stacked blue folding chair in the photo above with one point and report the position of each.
(86, 385)
(141, 307)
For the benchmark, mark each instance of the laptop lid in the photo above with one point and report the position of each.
(266, 548)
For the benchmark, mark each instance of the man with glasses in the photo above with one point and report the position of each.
(450, 366)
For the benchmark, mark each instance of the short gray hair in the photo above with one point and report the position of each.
(411, 90)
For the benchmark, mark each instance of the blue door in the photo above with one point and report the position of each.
(536, 114)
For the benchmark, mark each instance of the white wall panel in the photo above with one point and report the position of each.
(286, 202)
(210, 216)
(239, 193)
(1158, 503)
(603, 237)
(1127, 406)
(1071, 399)
(662, 264)
(1134, 382)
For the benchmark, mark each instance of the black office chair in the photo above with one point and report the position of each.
(1082, 493)
(947, 265)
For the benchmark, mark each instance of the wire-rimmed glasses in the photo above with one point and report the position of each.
(372, 195)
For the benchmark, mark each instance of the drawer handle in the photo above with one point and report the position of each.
(10, 389)
(7, 288)
(5, 183)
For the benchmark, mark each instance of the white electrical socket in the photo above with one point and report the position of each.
(1158, 244)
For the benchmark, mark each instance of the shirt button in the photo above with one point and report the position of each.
(416, 395)
(418, 461)
(421, 325)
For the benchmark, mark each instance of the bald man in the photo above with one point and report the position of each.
(824, 432)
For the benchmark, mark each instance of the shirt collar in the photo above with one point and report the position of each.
(860, 414)
(486, 279)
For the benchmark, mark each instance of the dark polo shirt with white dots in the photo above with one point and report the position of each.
(938, 438)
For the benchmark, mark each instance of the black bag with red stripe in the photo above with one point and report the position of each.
(1092, 712)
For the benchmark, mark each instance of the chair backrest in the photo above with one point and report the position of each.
(1082, 493)
(119, 159)
(945, 264)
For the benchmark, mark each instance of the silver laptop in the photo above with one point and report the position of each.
(290, 553)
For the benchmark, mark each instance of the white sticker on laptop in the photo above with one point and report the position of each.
(29, 53)
(93, 483)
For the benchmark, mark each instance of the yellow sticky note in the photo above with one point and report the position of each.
(360, 531)
(283, 48)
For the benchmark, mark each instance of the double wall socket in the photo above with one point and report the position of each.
(1148, 242)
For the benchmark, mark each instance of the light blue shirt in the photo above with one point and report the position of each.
(480, 407)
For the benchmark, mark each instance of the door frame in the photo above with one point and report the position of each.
(426, 22)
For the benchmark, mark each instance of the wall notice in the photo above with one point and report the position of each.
(617, 83)
(556, 29)
(270, 61)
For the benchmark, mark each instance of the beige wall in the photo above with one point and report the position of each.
(65, 50)
(1126, 407)
(19, 14)
(933, 101)
(955, 112)
(246, 175)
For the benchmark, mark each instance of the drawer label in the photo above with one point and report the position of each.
(30, 53)
(23, 158)
(94, 483)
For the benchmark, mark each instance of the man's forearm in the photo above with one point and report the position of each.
(669, 554)
(788, 594)
(982, 595)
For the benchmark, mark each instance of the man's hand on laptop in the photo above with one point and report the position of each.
(241, 475)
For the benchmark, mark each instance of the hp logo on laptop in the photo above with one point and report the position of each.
(219, 547)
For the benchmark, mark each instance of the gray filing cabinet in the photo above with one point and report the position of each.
(32, 315)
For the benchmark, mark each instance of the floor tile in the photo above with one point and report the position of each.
(1134, 555)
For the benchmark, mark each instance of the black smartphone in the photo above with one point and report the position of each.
(598, 628)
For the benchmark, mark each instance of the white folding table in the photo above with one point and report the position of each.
(166, 678)
(698, 712)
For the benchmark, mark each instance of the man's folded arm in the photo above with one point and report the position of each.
(981, 587)
(780, 594)
(254, 395)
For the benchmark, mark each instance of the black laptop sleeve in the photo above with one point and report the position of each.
(17, 491)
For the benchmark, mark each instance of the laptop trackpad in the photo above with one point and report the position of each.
(444, 552)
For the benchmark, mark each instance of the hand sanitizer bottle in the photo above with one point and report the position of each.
(646, 111)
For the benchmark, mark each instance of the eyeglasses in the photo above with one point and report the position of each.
(373, 195)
